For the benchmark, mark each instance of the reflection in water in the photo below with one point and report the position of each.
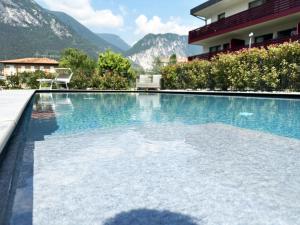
(9, 166)
(149, 106)
(79, 112)
(42, 123)
(148, 101)
(277, 116)
(43, 107)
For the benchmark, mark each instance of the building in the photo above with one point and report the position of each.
(14, 66)
(231, 25)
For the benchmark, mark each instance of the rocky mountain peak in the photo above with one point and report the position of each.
(28, 14)
(151, 46)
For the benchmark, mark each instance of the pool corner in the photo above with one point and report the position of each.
(12, 104)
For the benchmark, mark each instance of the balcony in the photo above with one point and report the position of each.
(270, 10)
(208, 56)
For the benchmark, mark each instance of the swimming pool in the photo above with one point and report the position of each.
(138, 158)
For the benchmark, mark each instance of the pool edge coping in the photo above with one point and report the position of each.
(291, 95)
(13, 123)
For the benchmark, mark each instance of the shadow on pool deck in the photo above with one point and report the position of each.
(37, 123)
(151, 217)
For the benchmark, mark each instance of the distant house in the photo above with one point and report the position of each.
(15, 66)
(232, 25)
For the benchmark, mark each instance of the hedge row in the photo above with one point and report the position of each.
(272, 69)
(25, 80)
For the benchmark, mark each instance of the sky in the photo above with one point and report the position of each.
(130, 19)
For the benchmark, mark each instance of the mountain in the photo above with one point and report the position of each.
(160, 45)
(115, 40)
(85, 33)
(26, 29)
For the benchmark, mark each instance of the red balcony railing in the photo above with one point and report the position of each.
(265, 44)
(270, 10)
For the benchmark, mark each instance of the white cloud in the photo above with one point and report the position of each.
(83, 11)
(156, 26)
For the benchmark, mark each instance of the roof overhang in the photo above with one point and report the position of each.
(31, 61)
(195, 11)
(27, 63)
(214, 7)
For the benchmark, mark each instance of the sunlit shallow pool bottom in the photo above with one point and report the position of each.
(137, 158)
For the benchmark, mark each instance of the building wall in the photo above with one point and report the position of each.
(12, 69)
(231, 10)
(244, 35)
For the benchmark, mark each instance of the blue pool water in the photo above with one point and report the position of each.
(149, 159)
(78, 113)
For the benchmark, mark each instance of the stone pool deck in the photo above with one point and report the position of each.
(12, 105)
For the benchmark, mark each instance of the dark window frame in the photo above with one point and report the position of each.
(286, 33)
(226, 46)
(221, 16)
(265, 37)
(215, 48)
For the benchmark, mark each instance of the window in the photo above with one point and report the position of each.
(286, 33)
(263, 38)
(256, 3)
(221, 16)
(226, 46)
(215, 48)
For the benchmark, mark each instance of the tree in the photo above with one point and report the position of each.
(82, 66)
(115, 71)
(173, 59)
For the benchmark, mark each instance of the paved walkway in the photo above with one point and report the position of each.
(12, 105)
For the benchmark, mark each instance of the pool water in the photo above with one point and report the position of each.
(75, 113)
(149, 159)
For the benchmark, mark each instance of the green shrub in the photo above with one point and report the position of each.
(271, 69)
(191, 75)
(204, 77)
(82, 65)
(249, 66)
(113, 82)
(2, 83)
(13, 82)
(29, 79)
(112, 71)
(284, 59)
(169, 77)
(115, 71)
(223, 69)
